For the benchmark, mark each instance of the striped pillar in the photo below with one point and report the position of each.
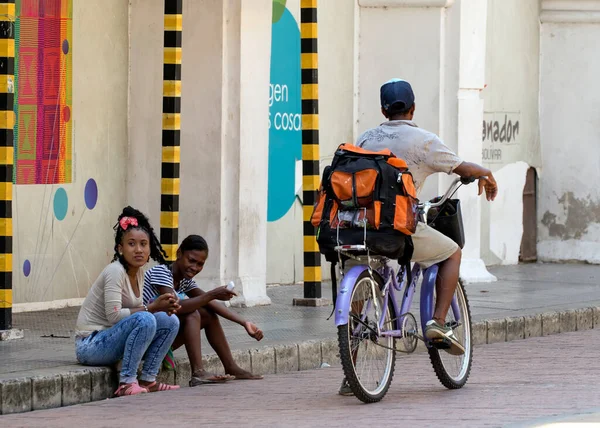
(7, 122)
(310, 144)
(171, 126)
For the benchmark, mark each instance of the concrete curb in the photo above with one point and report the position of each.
(99, 383)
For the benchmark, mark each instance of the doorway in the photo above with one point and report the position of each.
(528, 252)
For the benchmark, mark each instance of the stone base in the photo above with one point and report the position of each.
(248, 302)
(473, 271)
(312, 302)
(13, 333)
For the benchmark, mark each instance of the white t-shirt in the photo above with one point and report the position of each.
(423, 151)
(109, 300)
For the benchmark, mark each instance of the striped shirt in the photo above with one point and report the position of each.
(161, 276)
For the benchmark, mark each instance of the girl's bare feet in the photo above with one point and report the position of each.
(242, 374)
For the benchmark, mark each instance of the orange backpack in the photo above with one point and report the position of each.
(364, 189)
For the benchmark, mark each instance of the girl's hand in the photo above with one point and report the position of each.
(253, 330)
(165, 303)
(222, 293)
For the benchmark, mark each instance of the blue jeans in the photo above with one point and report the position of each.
(141, 335)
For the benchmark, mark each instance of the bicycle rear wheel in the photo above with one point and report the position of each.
(453, 370)
(368, 359)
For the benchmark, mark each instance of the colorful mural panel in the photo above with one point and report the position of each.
(43, 95)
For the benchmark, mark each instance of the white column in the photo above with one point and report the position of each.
(471, 80)
(245, 139)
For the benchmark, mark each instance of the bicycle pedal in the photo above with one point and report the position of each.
(441, 344)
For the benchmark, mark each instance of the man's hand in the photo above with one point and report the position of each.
(486, 179)
(253, 330)
(489, 184)
(222, 293)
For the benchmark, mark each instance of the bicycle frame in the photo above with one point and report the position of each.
(392, 286)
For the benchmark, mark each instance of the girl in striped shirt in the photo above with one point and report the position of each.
(198, 310)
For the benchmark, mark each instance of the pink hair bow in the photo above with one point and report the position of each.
(126, 221)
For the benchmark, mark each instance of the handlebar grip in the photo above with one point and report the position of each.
(467, 180)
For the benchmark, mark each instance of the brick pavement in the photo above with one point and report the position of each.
(516, 383)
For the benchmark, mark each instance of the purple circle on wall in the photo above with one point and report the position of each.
(65, 46)
(26, 268)
(91, 194)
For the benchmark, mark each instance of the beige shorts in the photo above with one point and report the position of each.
(431, 246)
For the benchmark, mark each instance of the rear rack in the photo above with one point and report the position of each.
(352, 247)
(359, 247)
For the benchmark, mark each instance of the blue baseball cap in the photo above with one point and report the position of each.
(396, 91)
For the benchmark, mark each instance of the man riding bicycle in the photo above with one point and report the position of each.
(425, 154)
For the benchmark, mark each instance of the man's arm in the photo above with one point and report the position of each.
(486, 179)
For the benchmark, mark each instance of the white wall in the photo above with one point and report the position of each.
(200, 193)
(569, 205)
(66, 256)
(223, 132)
(336, 95)
(511, 95)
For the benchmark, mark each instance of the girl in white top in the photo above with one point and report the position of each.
(114, 324)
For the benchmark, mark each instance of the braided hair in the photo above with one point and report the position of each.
(156, 250)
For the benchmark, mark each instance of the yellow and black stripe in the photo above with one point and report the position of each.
(171, 126)
(310, 144)
(7, 122)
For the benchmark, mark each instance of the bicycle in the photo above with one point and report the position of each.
(370, 320)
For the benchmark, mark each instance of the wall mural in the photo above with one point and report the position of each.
(285, 113)
(43, 92)
(43, 129)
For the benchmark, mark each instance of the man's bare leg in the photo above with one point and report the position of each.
(445, 286)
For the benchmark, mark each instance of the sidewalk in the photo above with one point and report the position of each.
(40, 371)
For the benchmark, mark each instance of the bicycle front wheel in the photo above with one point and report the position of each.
(368, 359)
(453, 370)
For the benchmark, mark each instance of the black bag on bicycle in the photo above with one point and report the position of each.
(366, 198)
(447, 219)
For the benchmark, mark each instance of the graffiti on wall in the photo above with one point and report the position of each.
(285, 114)
(43, 95)
(499, 130)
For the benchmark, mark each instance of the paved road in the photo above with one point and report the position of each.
(524, 383)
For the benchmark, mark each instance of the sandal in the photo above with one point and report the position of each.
(130, 389)
(202, 380)
(160, 387)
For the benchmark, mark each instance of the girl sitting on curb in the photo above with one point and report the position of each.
(198, 311)
(114, 324)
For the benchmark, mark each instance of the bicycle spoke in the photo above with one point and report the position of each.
(370, 357)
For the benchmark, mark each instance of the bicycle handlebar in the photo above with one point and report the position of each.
(460, 181)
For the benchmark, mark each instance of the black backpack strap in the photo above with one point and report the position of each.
(333, 283)
(333, 287)
(404, 261)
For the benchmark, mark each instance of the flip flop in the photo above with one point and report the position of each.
(197, 380)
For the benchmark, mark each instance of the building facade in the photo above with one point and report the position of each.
(507, 83)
